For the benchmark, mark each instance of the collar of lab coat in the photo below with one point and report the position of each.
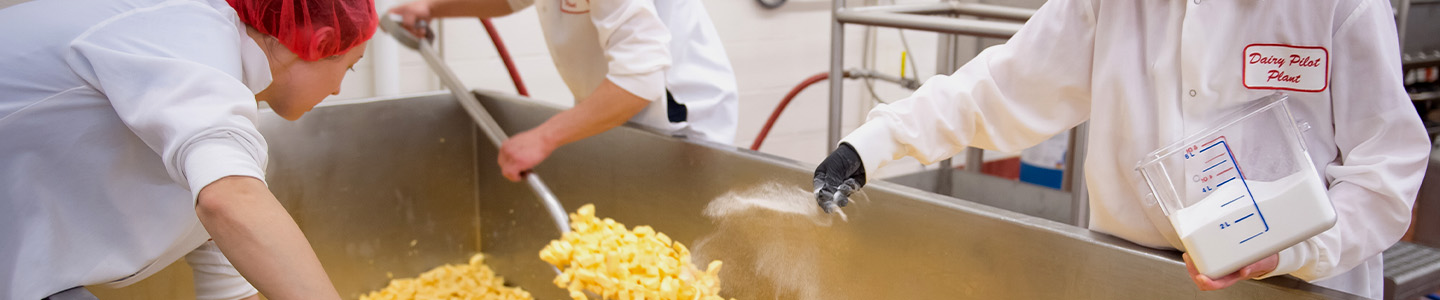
(253, 63)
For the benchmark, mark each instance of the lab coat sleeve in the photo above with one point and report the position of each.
(173, 76)
(1007, 98)
(1383, 149)
(636, 44)
(215, 278)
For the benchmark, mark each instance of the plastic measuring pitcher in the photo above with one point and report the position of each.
(1240, 190)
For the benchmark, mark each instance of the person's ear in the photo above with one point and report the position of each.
(279, 54)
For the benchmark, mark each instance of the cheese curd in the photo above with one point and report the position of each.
(602, 257)
(473, 281)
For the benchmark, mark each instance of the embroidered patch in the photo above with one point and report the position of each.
(1286, 67)
(575, 6)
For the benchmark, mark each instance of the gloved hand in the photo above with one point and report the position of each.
(837, 177)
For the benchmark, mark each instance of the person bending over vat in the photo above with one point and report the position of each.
(128, 140)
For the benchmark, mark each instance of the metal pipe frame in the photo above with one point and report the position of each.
(837, 68)
(1074, 176)
(940, 17)
(1402, 17)
(954, 8)
(907, 83)
(917, 17)
(994, 29)
(946, 62)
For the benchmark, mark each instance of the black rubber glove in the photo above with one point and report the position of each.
(837, 177)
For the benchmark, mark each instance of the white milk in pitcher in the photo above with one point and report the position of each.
(1239, 224)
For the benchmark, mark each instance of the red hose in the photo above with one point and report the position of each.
(759, 139)
(775, 115)
(505, 56)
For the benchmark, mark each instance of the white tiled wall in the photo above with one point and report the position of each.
(771, 51)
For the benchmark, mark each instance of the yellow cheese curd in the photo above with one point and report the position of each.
(602, 257)
(473, 281)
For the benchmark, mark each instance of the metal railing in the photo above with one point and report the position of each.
(996, 22)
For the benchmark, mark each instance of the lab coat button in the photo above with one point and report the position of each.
(1192, 93)
(1197, 2)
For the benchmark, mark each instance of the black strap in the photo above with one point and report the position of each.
(674, 110)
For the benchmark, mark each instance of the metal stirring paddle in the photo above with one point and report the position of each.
(475, 110)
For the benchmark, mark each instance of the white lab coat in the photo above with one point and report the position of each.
(645, 47)
(113, 115)
(1146, 73)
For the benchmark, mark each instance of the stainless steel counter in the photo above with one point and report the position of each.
(365, 179)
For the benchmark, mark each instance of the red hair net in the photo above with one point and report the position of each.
(313, 29)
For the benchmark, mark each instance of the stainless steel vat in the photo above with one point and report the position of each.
(403, 185)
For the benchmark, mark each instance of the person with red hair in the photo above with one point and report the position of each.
(128, 140)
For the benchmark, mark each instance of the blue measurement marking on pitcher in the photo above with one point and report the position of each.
(1219, 167)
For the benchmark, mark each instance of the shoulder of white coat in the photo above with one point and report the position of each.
(187, 30)
(155, 17)
(1347, 11)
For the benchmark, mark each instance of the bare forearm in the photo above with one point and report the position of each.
(608, 107)
(468, 8)
(261, 240)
